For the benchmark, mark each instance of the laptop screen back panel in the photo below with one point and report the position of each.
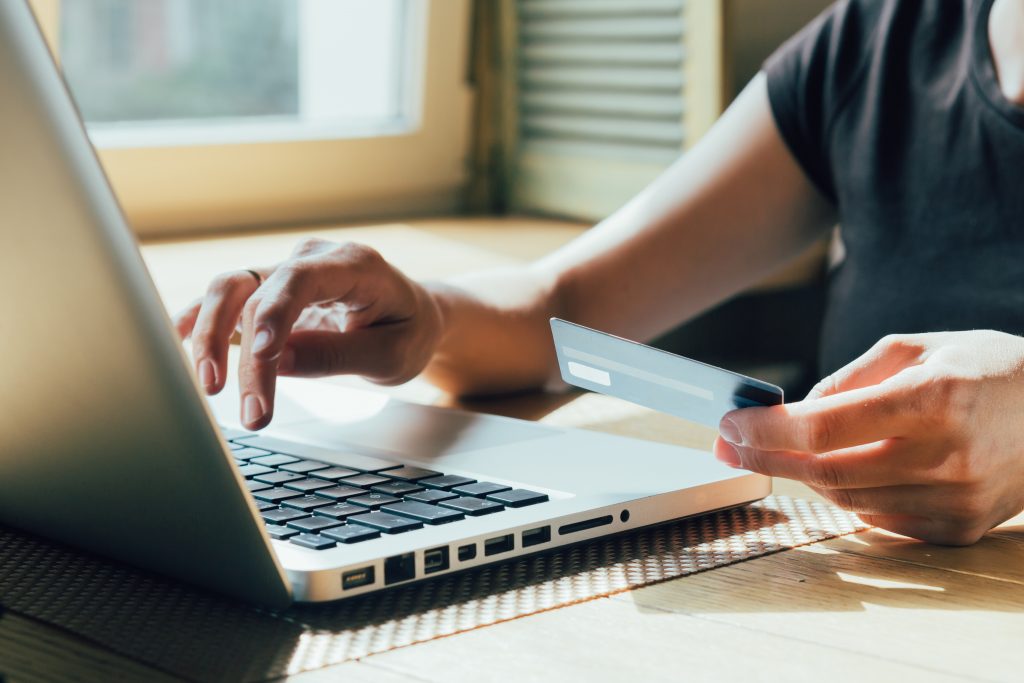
(105, 443)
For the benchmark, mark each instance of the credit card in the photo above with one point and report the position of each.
(654, 378)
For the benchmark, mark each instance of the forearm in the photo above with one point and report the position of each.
(725, 215)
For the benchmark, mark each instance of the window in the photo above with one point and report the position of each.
(193, 71)
(214, 114)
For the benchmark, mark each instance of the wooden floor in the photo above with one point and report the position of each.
(867, 607)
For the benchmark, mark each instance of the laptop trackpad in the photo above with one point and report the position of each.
(340, 417)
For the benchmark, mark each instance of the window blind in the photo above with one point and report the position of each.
(600, 99)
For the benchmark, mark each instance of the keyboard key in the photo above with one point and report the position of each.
(281, 533)
(235, 446)
(341, 492)
(313, 524)
(356, 461)
(275, 495)
(340, 511)
(351, 533)
(481, 488)
(308, 485)
(517, 498)
(254, 485)
(275, 477)
(263, 505)
(472, 506)
(275, 460)
(431, 514)
(281, 515)
(306, 503)
(231, 434)
(334, 473)
(409, 473)
(304, 466)
(447, 481)
(373, 500)
(364, 480)
(388, 523)
(246, 453)
(250, 471)
(430, 496)
(397, 488)
(312, 541)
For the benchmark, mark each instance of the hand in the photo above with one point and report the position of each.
(329, 309)
(922, 435)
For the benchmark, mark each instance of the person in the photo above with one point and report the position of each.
(903, 122)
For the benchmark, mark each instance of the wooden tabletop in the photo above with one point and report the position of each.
(870, 606)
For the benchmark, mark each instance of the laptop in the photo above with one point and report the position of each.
(109, 446)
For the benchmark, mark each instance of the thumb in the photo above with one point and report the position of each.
(370, 352)
(886, 358)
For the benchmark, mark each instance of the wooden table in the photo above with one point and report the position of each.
(866, 607)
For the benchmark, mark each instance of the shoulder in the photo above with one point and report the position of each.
(849, 51)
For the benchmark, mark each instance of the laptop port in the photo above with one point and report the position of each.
(536, 536)
(585, 525)
(467, 552)
(435, 560)
(357, 578)
(498, 545)
(399, 568)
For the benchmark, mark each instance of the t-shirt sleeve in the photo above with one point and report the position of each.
(809, 79)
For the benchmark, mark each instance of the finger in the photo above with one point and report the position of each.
(256, 377)
(352, 275)
(185, 320)
(851, 418)
(885, 463)
(374, 353)
(215, 323)
(937, 531)
(883, 360)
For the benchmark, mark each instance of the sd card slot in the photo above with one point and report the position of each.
(575, 527)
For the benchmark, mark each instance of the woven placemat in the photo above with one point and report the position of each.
(204, 637)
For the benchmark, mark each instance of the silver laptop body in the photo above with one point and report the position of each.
(106, 443)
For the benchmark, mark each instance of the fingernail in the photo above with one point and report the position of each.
(729, 431)
(728, 454)
(253, 409)
(261, 340)
(286, 363)
(207, 373)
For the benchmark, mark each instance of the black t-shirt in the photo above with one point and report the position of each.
(894, 111)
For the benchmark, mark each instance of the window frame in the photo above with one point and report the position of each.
(176, 189)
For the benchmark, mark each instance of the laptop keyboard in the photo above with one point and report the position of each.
(317, 505)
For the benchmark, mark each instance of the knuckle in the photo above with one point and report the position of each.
(222, 284)
(310, 245)
(950, 401)
(900, 343)
(842, 498)
(823, 473)
(326, 359)
(752, 459)
(818, 429)
(965, 470)
(250, 308)
(360, 255)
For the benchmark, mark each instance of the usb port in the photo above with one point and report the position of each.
(357, 578)
(498, 545)
(536, 536)
(435, 560)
